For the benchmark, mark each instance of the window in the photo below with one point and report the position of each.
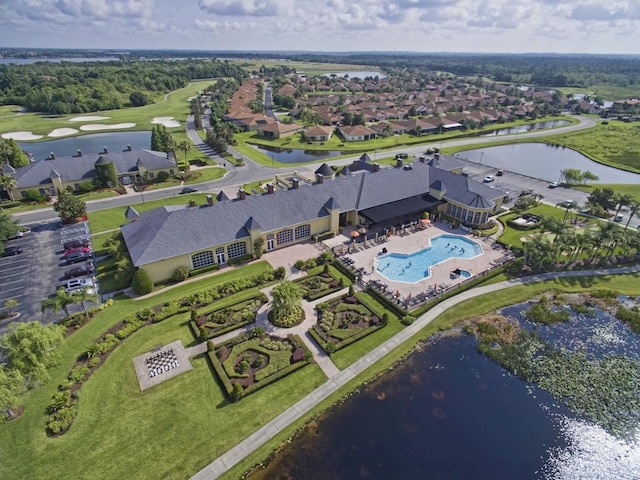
(303, 231)
(150, 175)
(202, 259)
(485, 217)
(42, 192)
(285, 236)
(476, 218)
(237, 249)
(76, 186)
(469, 216)
(172, 172)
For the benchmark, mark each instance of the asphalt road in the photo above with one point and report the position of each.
(252, 171)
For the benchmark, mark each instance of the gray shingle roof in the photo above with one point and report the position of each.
(171, 231)
(222, 197)
(71, 169)
(131, 213)
(324, 170)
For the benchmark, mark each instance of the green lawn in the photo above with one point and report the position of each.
(607, 92)
(373, 147)
(631, 189)
(513, 237)
(111, 218)
(175, 105)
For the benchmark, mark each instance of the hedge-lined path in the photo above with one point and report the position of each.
(262, 320)
(254, 441)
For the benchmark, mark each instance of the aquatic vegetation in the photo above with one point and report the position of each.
(604, 390)
(630, 316)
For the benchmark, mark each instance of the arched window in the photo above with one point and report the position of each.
(285, 236)
(237, 249)
(202, 259)
(303, 231)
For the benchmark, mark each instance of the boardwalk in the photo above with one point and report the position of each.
(268, 431)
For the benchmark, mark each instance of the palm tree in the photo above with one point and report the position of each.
(5, 151)
(184, 146)
(61, 300)
(87, 294)
(634, 209)
(623, 200)
(9, 184)
(569, 205)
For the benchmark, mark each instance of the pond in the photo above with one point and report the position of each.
(449, 412)
(93, 143)
(543, 161)
(284, 155)
(526, 128)
(358, 74)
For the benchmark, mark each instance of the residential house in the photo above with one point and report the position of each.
(356, 133)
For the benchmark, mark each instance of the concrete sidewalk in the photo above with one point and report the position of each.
(293, 413)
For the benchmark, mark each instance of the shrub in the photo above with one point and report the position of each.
(162, 177)
(352, 291)
(78, 374)
(35, 196)
(243, 366)
(280, 273)
(141, 283)
(237, 392)
(210, 346)
(204, 334)
(85, 187)
(407, 319)
(180, 274)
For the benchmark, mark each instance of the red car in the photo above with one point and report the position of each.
(77, 250)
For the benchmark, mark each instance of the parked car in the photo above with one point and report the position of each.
(618, 218)
(402, 156)
(9, 251)
(76, 242)
(76, 250)
(79, 284)
(78, 257)
(78, 271)
(489, 178)
(554, 184)
(188, 190)
(500, 173)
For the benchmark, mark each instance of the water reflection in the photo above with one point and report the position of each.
(526, 128)
(93, 143)
(449, 412)
(540, 160)
(284, 155)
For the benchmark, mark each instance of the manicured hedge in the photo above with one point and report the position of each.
(220, 373)
(388, 304)
(215, 306)
(275, 377)
(323, 236)
(200, 271)
(365, 299)
(346, 271)
(354, 338)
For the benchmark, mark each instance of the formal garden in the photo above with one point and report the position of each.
(254, 360)
(321, 284)
(214, 320)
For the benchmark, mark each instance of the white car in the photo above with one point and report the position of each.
(489, 178)
(79, 284)
(554, 184)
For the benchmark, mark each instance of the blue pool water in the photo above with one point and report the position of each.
(416, 266)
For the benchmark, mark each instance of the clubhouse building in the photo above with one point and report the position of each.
(161, 240)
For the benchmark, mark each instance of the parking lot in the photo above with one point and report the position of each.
(37, 272)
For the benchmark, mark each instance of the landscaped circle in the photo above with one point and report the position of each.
(294, 318)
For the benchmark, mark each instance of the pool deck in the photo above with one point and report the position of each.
(441, 273)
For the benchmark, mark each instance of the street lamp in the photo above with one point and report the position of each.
(481, 155)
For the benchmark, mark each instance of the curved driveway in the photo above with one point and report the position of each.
(302, 407)
(252, 171)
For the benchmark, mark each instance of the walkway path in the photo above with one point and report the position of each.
(296, 411)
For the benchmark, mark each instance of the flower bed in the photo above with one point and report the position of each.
(344, 320)
(254, 360)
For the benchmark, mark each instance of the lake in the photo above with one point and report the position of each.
(93, 143)
(448, 412)
(358, 74)
(540, 160)
(526, 128)
(284, 155)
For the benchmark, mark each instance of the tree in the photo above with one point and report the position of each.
(31, 348)
(12, 154)
(285, 305)
(85, 295)
(9, 184)
(11, 389)
(8, 227)
(568, 205)
(623, 200)
(10, 304)
(634, 208)
(138, 99)
(184, 146)
(69, 207)
(141, 283)
(60, 301)
(605, 198)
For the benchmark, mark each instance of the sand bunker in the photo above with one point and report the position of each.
(87, 118)
(168, 122)
(62, 132)
(100, 126)
(21, 136)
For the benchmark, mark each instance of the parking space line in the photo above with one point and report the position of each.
(9, 282)
(2, 300)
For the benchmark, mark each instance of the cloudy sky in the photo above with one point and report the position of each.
(564, 26)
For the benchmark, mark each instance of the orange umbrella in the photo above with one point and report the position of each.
(425, 221)
(355, 233)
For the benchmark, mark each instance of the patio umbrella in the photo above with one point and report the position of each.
(355, 234)
(425, 221)
(362, 230)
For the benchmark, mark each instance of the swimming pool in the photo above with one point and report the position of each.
(416, 266)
